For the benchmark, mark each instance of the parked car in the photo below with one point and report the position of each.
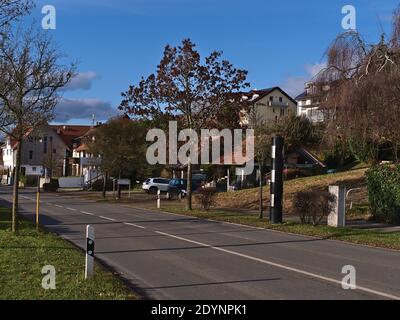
(152, 185)
(177, 187)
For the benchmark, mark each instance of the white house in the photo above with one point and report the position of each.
(308, 103)
(86, 164)
(8, 158)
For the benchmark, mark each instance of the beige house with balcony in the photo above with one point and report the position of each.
(268, 105)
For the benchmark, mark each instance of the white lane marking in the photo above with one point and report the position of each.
(281, 266)
(71, 209)
(134, 225)
(88, 213)
(106, 218)
(58, 206)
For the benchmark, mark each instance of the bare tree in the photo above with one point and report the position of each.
(30, 76)
(361, 93)
(10, 10)
(264, 133)
(297, 131)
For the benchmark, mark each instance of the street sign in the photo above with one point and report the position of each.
(124, 182)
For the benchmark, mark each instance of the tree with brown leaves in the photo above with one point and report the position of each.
(189, 90)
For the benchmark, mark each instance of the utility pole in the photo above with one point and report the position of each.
(276, 211)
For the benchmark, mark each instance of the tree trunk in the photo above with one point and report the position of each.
(396, 153)
(105, 179)
(189, 187)
(17, 173)
(261, 203)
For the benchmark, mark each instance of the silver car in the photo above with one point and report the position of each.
(152, 185)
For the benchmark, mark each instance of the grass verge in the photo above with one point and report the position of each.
(364, 237)
(23, 256)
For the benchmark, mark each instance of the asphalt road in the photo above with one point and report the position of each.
(171, 256)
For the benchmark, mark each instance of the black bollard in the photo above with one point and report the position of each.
(276, 209)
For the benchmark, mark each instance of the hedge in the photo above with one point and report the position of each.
(98, 185)
(384, 192)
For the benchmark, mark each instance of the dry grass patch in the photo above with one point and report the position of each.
(248, 199)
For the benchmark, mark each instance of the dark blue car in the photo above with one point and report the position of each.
(177, 188)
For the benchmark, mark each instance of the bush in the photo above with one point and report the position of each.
(313, 206)
(98, 185)
(22, 180)
(206, 197)
(31, 181)
(384, 192)
(52, 186)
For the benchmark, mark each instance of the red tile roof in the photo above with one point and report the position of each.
(68, 133)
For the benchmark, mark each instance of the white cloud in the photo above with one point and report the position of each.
(69, 109)
(82, 81)
(294, 85)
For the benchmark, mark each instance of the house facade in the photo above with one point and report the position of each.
(48, 151)
(83, 162)
(7, 155)
(308, 103)
(268, 105)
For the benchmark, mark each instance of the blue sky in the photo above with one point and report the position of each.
(281, 43)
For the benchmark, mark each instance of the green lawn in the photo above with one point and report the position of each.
(365, 237)
(23, 256)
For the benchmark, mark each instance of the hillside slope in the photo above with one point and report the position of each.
(248, 199)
